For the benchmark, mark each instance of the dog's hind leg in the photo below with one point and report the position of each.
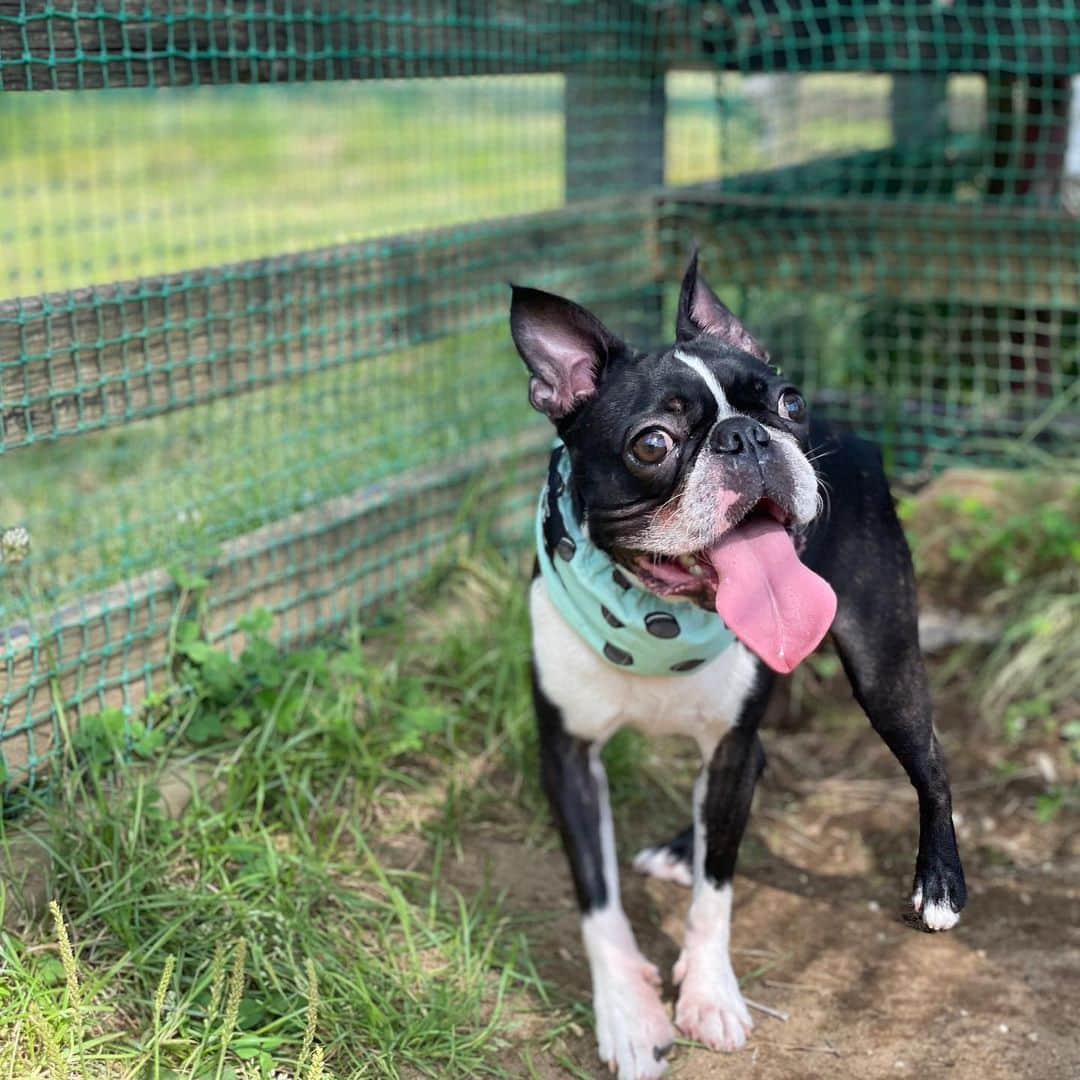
(710, 1007)
(673, 860)
(633, 1031)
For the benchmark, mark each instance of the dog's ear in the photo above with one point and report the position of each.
(564, 347)
(702, 312)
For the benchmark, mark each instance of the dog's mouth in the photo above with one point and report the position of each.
(695, 575)
(778, 607)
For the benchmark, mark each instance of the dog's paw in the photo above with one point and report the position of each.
(633, 1031)
(711, 1008)
(938, 896)
(663, 863)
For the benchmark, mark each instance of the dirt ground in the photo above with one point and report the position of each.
(822, 930)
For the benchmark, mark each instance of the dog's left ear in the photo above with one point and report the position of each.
(701, 311)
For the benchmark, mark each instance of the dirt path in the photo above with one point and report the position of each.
(819, 926)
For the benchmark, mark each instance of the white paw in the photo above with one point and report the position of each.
(658, 862)
(711, 1009)
(633, 1031)
(936, 915)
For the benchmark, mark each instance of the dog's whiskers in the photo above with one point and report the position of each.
(824, 498)
(820, 453)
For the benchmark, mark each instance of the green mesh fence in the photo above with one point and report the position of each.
(254, 259)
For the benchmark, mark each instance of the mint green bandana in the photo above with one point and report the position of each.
(627, 625)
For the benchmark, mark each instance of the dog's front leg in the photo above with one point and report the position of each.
(633, 1031)
(889, 679)
(711, 1008)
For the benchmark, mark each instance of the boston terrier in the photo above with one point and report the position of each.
(697, 535)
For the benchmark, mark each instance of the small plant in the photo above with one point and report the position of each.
(1005, 547)
(244, 936)
(976, 533)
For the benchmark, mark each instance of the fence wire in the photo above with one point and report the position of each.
(254, 265)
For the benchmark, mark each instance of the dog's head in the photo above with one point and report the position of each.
(689, 465)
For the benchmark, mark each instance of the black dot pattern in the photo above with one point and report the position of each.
(610, 619)
(687, 665)
(554, 528)
(617, 655)
(662, 625)
(556, 540)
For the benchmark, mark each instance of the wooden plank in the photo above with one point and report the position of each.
(314, 570)
(315, 567)
(614, 132)
(98, 653)
(113, 43)
(96, 357)
(915, 36)
(978, 254)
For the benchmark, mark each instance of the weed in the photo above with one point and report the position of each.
(1006, 547)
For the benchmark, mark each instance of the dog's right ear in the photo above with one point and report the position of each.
(564, 347)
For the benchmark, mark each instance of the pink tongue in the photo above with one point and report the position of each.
(776, 606)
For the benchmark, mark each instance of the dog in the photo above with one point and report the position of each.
(685, 558)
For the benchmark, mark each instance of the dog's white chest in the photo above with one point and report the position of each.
(596, 698)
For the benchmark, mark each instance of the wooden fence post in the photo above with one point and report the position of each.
(918, 107)
(614, 145)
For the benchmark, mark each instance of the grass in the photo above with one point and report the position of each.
(1006, 548)
(107, 185)
(297, 904)
(92, 177)
(277, 913)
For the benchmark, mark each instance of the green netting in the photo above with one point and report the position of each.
(252, 292)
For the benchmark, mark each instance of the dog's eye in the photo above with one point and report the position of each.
(652, 446)
(791, 406)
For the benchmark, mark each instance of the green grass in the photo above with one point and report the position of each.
(335, 787)
(1007, 547)
(116, 184)
(102, 186)
(286, 865)
(108, 185)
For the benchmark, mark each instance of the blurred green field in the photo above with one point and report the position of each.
(108, 185)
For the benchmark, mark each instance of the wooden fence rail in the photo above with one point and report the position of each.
(96, 357)
(121, 43)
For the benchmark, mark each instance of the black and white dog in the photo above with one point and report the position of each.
(689, 480)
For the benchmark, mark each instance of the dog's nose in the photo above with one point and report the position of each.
(737, 435)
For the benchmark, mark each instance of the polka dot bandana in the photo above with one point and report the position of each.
(630, 627)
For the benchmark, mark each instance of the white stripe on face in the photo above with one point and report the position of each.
(696, 364)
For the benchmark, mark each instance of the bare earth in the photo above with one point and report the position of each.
(822, 930)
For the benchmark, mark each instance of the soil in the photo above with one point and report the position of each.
(822, 929)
